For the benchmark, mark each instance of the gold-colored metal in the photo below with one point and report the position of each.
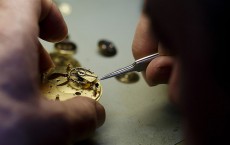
(62, 83)
(64, 60)
(63, 53)
(128, 78)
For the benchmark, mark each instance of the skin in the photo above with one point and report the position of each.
(192, 34)
(145, 43)
(196, 84)
(25, 116)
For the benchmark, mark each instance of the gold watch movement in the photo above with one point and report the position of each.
(62, 83)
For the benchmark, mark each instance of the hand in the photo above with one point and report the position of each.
(26, 118)
(160, 70)
(196, 32)
(145, 44)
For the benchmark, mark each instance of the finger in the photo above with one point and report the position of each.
(81, 117)
(25, 26)
(52, 25)
(144, 42)
(174, 84)
(18, 46)
(159, 70)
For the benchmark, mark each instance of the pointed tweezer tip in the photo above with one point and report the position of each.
(104, 77)
(101, 78)
(118, 72)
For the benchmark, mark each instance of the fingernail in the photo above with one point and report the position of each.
(100, 114)
(152, 84)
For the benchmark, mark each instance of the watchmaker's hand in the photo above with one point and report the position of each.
(144, 44)
(160, 70)
(25, 117)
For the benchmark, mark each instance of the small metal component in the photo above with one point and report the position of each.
(138, 65)
(107, 48)
(68, 82)
(63, 54)
(66, 46)
(128, 78)
(64, 60)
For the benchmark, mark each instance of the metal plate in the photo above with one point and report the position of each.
(63, 83)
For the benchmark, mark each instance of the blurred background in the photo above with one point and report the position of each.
(136, 113)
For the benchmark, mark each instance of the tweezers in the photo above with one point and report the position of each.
(138, 65)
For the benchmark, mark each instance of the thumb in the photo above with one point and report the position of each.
(77, 118)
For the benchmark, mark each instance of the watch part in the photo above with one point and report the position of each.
(107, 48)
(63, 83)
(128, 78)
(66, 46)
(64, 60)
(63, 54)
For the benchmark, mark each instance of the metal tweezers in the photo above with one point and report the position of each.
(138, 65)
